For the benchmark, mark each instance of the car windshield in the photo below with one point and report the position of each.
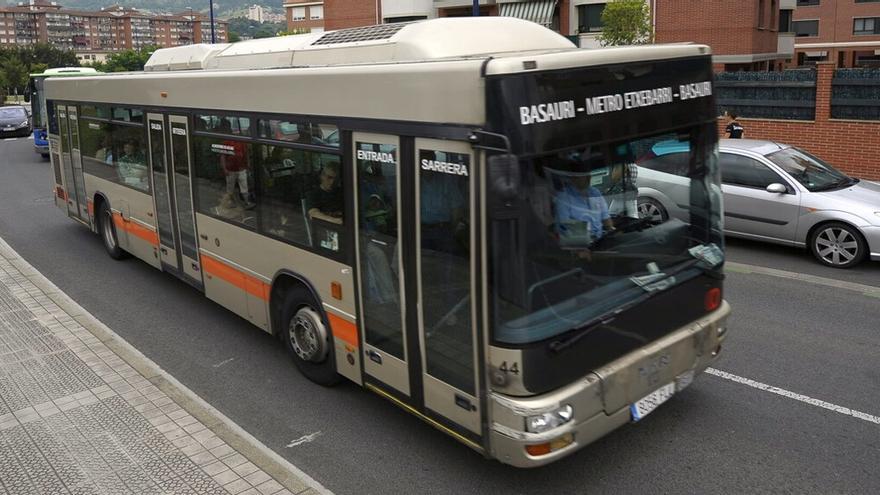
(572, 246)
(12, 113)
(811, 172)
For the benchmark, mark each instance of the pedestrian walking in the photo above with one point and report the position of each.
(734, 129)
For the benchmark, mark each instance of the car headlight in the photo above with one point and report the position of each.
(549, 420)
(23, 124)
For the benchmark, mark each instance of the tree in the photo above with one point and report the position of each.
(626, 22)
(233, 37)
(15, 75)
(126, 61)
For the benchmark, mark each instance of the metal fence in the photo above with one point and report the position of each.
(787, 95)
(855, 94)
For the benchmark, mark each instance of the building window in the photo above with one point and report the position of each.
(805, 28)
(785, 21)
(316, 12)
(807, 3)
(298, 13)
(590, 17)
(867, 1)
(762, 8)
(869, 25)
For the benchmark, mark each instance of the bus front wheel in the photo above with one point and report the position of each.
(307, 338)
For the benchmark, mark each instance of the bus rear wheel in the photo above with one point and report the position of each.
(108, 232)
(307, 338)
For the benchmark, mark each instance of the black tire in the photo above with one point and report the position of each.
(303, 325)
(651, 208)
(838, 245)
(107, 230)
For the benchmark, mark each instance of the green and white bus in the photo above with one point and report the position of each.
(443, 212)
(38, 102)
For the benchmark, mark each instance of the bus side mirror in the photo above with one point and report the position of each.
(504, 178)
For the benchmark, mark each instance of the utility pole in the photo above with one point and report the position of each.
(476, 11)
(211, 10)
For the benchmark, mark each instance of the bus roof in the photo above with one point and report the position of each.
(67, 71)
(443, 38)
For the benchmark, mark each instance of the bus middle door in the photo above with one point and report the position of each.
(416, 276)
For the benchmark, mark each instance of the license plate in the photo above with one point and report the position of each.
(9, 128)
(645, 405)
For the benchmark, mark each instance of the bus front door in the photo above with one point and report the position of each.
(68, 127)
(171, 170)
(416, 276)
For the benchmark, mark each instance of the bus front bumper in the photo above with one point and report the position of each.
(602, 401)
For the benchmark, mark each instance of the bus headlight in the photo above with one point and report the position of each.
(549, 420)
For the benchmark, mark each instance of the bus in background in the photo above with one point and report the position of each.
(37, 95)
(444, 212)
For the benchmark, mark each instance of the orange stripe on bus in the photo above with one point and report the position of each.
(136, 229)
(343, 329)
(250, 284)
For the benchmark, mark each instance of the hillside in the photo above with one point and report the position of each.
(223, 8)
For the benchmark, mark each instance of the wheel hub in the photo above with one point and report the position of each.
(308, 337)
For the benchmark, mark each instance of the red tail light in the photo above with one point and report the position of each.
(713, 299)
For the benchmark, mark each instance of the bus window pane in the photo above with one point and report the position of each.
(379, 246)
(300, 132)
(237, 126)
(128, 155)
(444, 201)
(97, 154)
(100, 112)
(225, 179)
(286, 175)
(182, 195)
(160, 182)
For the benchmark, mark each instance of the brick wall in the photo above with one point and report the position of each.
(730, 28)
(852, 146)
(340, 14)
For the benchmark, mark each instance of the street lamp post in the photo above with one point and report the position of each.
(211, 10)
(476, 11)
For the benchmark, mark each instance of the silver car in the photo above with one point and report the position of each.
(772, 192)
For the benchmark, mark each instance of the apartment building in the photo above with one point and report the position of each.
(304, 16)
(95, 33)
(340, 14)
(846, 32)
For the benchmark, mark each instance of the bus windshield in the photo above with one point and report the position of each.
(573, 250)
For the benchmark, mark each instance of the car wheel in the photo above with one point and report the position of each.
(108, 233)
(308, 340)
(837, 245)
(652, 210)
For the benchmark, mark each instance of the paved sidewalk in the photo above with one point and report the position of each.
(81, 411)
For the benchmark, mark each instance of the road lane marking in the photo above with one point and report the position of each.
(304, 439)
(796, 396)
(868, 290)
(221, 363)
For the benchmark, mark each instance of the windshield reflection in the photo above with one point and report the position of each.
(811, 172)
(572, 247)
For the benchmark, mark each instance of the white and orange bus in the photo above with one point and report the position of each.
(444, 212)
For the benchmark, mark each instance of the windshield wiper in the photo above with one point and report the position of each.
(663, 282)
(845, 182)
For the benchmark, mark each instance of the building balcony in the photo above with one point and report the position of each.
(785, 43)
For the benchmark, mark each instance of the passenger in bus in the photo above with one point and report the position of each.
(133, 165)
(325, 201)
(236, 166)
(105, 152)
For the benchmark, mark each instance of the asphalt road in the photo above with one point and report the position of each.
(718, 436)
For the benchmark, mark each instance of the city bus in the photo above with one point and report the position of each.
(444, 212)
(38, 102)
